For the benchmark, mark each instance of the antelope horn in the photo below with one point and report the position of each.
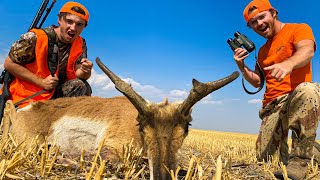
(125, 89)
(201, 90)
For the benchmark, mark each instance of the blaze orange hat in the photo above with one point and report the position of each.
(67, 7)
(260, 5)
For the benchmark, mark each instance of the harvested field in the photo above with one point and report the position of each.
(204, 155)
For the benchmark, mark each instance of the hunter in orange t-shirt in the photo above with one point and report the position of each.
(291, 101)
(278, 49)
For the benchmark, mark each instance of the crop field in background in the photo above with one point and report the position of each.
(204, 155)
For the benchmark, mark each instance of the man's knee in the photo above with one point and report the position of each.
(308, 90)
(306, 95)
(76, 87)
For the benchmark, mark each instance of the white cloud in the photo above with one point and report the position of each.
(141, 88)
(109, 87)
(101, 85)
(104, 87)
(255, 101)
(98, 79)
(178, 93)
(209, 100)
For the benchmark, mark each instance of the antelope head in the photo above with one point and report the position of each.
(164, 126)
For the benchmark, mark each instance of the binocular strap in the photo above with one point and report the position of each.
(261, 75)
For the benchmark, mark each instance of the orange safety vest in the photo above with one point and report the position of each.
(20, 89)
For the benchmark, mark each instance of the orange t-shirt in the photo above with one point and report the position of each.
(279, 49)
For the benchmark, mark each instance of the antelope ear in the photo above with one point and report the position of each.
(164, 102)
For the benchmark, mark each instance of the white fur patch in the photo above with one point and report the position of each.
(74, 133)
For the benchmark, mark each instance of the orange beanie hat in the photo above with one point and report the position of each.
(260, 5)
(67, 7)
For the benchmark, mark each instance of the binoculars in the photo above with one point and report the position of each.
(240, 40)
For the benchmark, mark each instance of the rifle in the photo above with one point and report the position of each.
(38, 16)
(6, 78)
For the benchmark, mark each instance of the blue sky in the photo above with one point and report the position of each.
(159, 46)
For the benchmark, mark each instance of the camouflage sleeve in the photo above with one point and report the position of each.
(84, 51)
(23, 51)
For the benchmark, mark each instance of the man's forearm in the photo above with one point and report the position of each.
(21, 72)
(251, 76)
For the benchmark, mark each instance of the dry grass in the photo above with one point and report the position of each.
(237, 152)
(204, 155)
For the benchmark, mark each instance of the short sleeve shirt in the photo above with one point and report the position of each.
(278, 49)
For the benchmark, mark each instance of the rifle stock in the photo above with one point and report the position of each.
(5, 91)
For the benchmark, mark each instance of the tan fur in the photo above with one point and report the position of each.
(9, 115)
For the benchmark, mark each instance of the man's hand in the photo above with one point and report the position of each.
(83, 70)
(86, 65)
(280, 70)
(50, 82)
(239, 56)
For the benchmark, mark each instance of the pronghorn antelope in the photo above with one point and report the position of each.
(83, 122)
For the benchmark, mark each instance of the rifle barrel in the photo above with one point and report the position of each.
(47, 13)
(39, 14)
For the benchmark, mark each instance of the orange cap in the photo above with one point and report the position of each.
(68, 6)
(260, 5)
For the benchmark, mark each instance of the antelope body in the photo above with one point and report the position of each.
(83, 122)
